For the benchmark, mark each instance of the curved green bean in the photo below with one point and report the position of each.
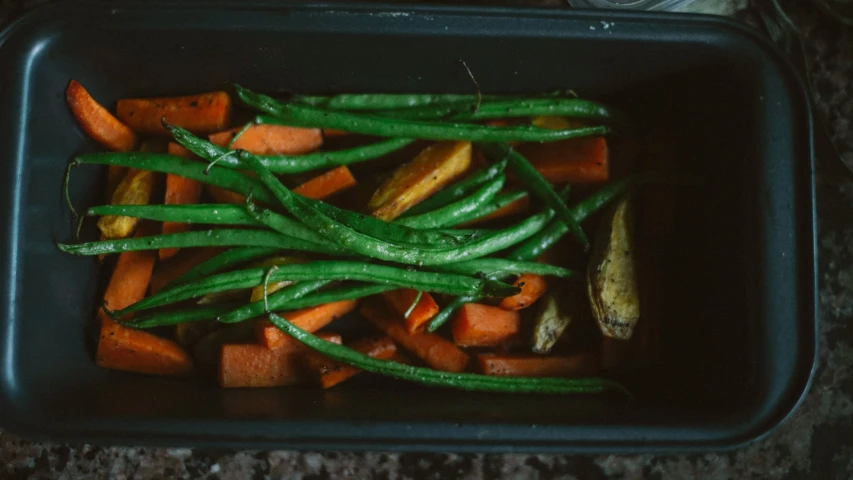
(445, 313)
(501, 267)
(497, 203)
(371, 247)
(204, 238)
(383, 101)
(286, 163)
(229, 258)
(302, 116)
(566, 107)
(328, 270)
(173, 317)
(448, 215)
(427, 376)
(458, 190)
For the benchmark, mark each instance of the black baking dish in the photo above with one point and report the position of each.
(738, 342)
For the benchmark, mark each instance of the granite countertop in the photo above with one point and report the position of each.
(816, 442)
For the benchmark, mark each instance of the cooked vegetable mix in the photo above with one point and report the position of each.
(286, 252)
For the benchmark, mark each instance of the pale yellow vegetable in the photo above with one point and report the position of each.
(552, 319)
(413, 182)
(612, 274)
(134, 189)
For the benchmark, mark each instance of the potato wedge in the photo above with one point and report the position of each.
(415, 181)
(612, 275)
(134, 189)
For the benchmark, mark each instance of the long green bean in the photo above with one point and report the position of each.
(448, 215)
(458, 190)
(500, 267)
(301, 116)
(287, 163)
(229, 258)
(566, 107)
(427, 376)
(497, 203)
(329, 270)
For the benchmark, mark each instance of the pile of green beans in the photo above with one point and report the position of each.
(357, 255)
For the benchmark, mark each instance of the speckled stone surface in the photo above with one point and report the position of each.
(816, 443)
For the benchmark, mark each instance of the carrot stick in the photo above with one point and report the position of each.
(512, 208)
(202, 113)
(478, 325)
(179, 191)
(309, 319)
(330, 373)
(578, 365)
(401, 301)
(434, 350)
(168, 271)
(250, 365)
(97, 121)
(327, 184)
(577, 160)
(532, 287)
(128, 349)
(270, 139)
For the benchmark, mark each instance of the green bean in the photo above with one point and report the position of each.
(221, 177)
(287, 163)
(458, 190)
(500, 267)
(329, 270)
(279, 300)
(284, 298)
(382, 101)
(372, 247)
(426, 376)
(212, 214)
(566, 107)
(540, 187)
(497, 203)
(445, 313)
(174, 317)
(448, 215)
(203, 238)
(538, 244)
(391, 232)
(229, 258)
(301, 116)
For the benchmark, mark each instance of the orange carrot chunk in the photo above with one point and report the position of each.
(309, 319)
(536, 366)
(401, 301)
(434, 350)
(327, 184)
(532, 287)
(179, 191)
(577, 160)
(97, 121)
(128, 349)
(329, 373)
(478, 325)
(200, 114)
(271, 139)
(250, 365)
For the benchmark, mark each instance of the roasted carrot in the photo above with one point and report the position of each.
(411, 183)
(327, 184)
(577, 160)
(478, 325)
(134, 189)
(331, 132)
(329, 373)
(174, 268)
(200, 114)
(532, 287)
(309, 319)
(128, 349)
(401, 301)
(512, 208)
(250, 365)
(271, 139)
(434, 350)
(179, 191)
(578, 365)
(97, 121)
